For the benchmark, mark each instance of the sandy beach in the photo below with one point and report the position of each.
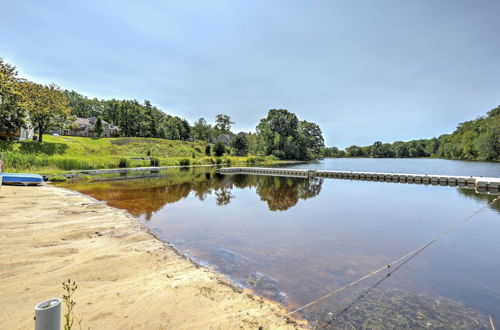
(127, 279)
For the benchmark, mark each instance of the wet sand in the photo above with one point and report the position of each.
(127, 279)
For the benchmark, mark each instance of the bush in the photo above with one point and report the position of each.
(6, 145)
(218, 161)
(123, 163)
(219, 149)
(241, 145)
(154, 161)
(208, 149)
(185, 162)
(193, 155)
(58, 178)
(35, 147)
(83, 178)
(279, 154)
(227, 161)
(251, 160)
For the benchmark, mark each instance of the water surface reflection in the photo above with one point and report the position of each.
(294, 239)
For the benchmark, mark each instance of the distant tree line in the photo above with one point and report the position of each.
(478, 139)
(46, 108)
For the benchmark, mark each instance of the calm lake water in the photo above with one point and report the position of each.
(295, 239)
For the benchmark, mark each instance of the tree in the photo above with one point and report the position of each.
(98, 127)
(400, 149)
(310, 140)
(162, 132)
(283, 135)
(152, 119)
(223, 124)
(202, 130)
(280, 121)
(354, 151)
(219, 149)
(48, 107)
(333, 152)
(241, 145)
(12, 103)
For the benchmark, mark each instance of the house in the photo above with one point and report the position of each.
(224, 138)
(85, 127)
(21, 135)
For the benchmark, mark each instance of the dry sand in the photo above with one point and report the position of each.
(127, 279)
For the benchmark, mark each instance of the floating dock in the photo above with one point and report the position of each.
(480, 183)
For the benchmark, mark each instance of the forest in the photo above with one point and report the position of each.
(477, 139)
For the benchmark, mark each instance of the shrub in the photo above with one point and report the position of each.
(185, 162)
(218, 161)
(219, 149)
(154, 161)
(83, 178)
(251, 160)
(35, 147)
(58, 178)
(208, 150)
(122, 163)
(279, 154)
(241, 145)
(6, 145)
(193, 155)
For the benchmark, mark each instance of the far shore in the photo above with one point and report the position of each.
(127, 279)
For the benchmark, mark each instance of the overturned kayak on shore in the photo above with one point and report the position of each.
(20, 179)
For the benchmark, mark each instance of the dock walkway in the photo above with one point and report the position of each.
(482, 183)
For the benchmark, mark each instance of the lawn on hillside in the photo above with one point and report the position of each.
(58, 154)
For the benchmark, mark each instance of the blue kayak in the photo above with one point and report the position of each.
(21, 178)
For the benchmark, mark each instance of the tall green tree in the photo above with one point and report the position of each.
(202, 130)
(12, 102)
(98, 127)
(311, 142)
(48, 107)
(280, 121)
(283, 135)
(223, 124)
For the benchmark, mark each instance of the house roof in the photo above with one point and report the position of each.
(82, 121)
(90, 122)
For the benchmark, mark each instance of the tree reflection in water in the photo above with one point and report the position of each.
(480, 196)
(147, 196)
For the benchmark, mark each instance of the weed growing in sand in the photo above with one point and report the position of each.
(70, 288)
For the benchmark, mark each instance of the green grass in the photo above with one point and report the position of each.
(57, 155)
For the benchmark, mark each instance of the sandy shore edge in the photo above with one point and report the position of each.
(127, 278)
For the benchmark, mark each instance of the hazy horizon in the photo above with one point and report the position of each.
(363, 71)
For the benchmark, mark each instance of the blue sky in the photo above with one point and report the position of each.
(364, 70)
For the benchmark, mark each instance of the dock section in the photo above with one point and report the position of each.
(480, 183)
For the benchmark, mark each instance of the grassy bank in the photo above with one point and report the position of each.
(64, 153)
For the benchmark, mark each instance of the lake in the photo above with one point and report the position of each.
(295, 239)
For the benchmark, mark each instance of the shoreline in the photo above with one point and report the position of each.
(127, 278)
